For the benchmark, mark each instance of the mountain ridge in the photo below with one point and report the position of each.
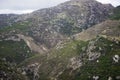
(108, 28)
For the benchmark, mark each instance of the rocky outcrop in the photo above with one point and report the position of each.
(75, 63)
(92, 54)
(116, 58)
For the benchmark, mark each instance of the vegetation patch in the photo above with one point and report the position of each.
(16, 26)
(14, 51)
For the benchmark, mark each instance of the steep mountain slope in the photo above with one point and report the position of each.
(81, 60)
(66, 19)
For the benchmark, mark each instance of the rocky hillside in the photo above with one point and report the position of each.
(95, 58)
(100, 60)
(75, 40)
(48, 26)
